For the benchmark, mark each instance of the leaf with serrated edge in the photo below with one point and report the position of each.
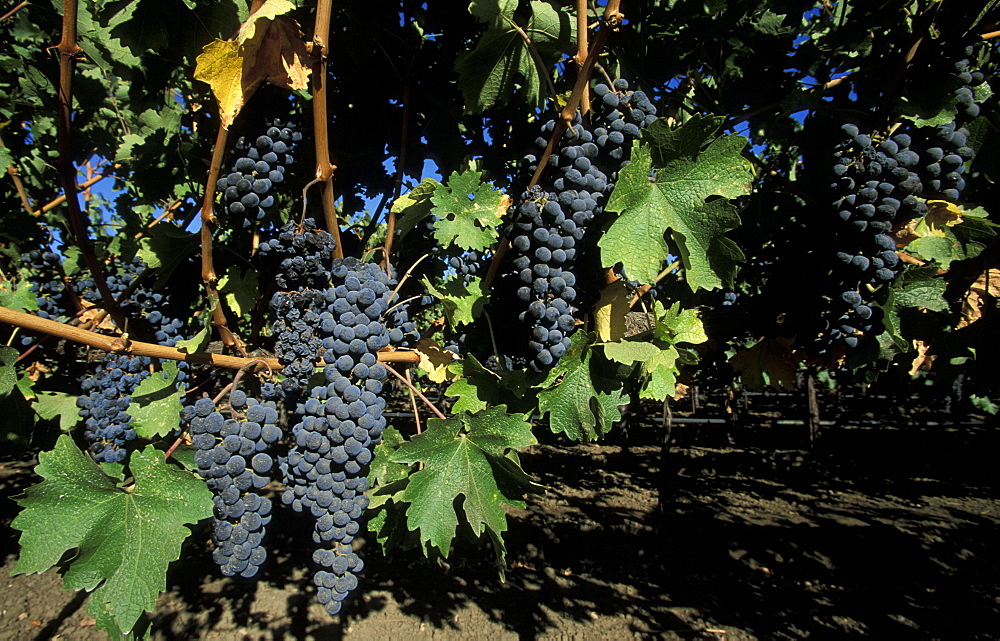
(414, 206)
(660, 374)
(467, 211)
(58, 405)
(462, 303)
(456, 455)
(124, 537)
(676, 200)
(383, 471)
(575, 407)
(487, 74)
(156, 403)
(239, 291)
(231, 69)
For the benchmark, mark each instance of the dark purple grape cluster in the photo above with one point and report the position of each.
(468, 265)
(232, 456)
(104, 404)
(325, 471)
(969, 77)
(107, 393)
(551, 220)
(945, 152)
(304, 260)
(261, 163)
(47, 283)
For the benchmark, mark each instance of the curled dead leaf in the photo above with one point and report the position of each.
(982, 294)
(922, 361)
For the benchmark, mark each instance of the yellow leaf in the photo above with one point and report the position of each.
(611, 310)
(435, 361)
(270, 10)
(221, 66)
(266, 49)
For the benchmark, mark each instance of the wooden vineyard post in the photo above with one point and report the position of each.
(812, 420)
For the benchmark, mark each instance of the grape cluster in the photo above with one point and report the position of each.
(945, 153)
(304, 257)
(232, 457)
(968, 77)
(261, 163)
(468, 265)
(47, 283)
(325, 471)
(551, 222)
(107, 395)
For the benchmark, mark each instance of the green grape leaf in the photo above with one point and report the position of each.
(462, 303)
(488, 10)
(676, 325)
(386, 511)
(686, 176)
(239, 291)
(383, 470)
(580, 406)
(20, 299)
(156, 403)
(464, 456)
(479, 387)
(124, 537)
(627, 352)
(164, 247)
(660, 375)
(928, 294)
(58, 406)
(937, 248)
(18, 420)
(487, 74)
(414, 206)
(195, 343)
(467, 211)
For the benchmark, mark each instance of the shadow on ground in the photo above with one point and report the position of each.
(879, 533)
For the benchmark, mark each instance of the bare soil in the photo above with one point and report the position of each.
(878, 533)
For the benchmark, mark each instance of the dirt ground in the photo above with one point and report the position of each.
(879, 533)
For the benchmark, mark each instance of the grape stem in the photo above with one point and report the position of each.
(14, 10)
(414, 390)
(324, 168)
(69, 50)
(208, 275)
(16, 177)
(413, 400)
(120, 345)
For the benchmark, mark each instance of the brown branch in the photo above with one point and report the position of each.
(13, 11)
(121, 344)
(58, 200)
(68, 51)
(413, 401)
(324, 168)
(582, 33)
(208, 275)
(990, 35)
(16, 177)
